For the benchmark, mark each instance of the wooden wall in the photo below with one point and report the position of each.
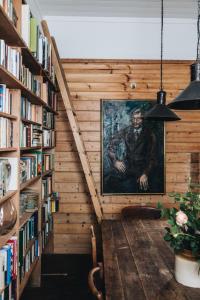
(89, 81)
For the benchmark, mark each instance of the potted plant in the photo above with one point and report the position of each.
(183, 234)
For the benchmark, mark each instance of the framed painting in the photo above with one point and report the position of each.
(133, 149)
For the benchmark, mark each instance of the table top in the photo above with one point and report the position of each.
(139, 264)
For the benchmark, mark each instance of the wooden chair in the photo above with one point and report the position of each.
(140, 212)
(97, 269)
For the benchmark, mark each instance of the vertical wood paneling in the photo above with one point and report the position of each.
(90, 81)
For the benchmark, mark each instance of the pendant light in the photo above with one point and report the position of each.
(189, 99)
(160, 111)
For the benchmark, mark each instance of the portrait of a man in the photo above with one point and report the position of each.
(132, 149)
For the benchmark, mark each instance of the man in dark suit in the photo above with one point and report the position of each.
(130, 172)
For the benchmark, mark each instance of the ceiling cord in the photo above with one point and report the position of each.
(161, 46)
(198, 32)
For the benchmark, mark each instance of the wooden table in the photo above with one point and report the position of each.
(138, 263)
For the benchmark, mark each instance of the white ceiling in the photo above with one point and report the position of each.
(118, 8)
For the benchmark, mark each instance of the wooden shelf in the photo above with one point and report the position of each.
(46, 173)
(8, 116)
(48, 148)
(30, 122)
(10, 149)
(8, 32)
(8, 195)
(25, 217)
(27, 276)
(5, 238)
(29, 182)
(29, 148)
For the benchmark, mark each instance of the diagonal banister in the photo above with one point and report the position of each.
(66, 97)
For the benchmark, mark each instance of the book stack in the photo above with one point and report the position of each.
(10, 58)
(30, 166)
(8, 171)
(6, 133)
(30, 80)
(49, 95)
(6, 98)
(36, 41)
(9, 9)
(46, 187)
(48, 138)
(29, 111)
(48, 119)
(30, 135)
(28, 201)
(8, 269)
(28, 245)
(48, 162)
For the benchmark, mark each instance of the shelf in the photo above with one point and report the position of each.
(13, 83)
(25, 217)
(5, 238)
(27, 275)
(8, 195)
(29, 182)
(48, 148)
(29, 148)
(10, 149)
(8, 116)
(48, 128)
(8, 32)
(46, 173)
(30, 122)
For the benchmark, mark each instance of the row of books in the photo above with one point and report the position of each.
(30, 111)
(8, 269)
(27, 255)
(47, 228)
(46, 187)
(48, 138)
(47, 162)
(35, 40)
(51, 205)
(48, 119)
(29, 200)
(9, 9)
(8, 171)
(11, 59)
(6, 133)
(30, 166)
(30, 135)
(6, 99)
(49, 95)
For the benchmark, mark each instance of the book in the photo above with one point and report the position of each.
(25, 23)
(8, 171)
(34, 35)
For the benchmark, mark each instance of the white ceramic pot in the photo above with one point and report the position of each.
(187, 270)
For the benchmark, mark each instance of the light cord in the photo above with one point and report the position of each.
(161, 46)
(198, 33)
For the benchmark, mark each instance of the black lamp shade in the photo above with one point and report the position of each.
(189, 99)
(160, 111)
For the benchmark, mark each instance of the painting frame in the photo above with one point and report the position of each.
(159, 185)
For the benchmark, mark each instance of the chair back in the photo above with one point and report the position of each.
(140, 212)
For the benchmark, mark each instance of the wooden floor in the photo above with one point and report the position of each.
(63, 277)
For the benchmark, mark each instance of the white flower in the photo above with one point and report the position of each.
(181, 218)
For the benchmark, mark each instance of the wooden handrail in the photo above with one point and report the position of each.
(94, 290)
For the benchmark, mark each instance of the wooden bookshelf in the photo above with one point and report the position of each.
(26, 216)
(12, 37)
(7, 196)
(27, 276)
(29, 182)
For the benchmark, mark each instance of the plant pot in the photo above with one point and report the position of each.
(187, 269)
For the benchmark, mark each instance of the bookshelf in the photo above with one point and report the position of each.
(27, 139)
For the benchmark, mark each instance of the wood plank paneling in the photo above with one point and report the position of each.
(89, 82)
